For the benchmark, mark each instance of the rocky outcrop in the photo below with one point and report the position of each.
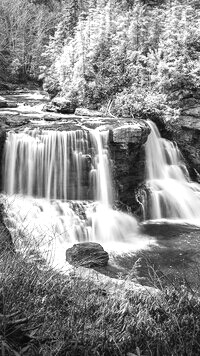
(60, 105)
(87, 254)
(127, 153)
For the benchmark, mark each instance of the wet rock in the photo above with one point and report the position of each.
(88, 112)
(7, 104)
(12, 105)
(130, 133)
(63, 105)
(51, 118)
(3, 103)
(16, 121)
(49, 108)
(126, 144)
(60, 105)
(87, 254)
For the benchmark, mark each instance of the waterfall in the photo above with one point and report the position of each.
(171, 194)
(58, 165)
(58, 190)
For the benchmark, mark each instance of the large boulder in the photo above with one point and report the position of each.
(87, 254)
(63, 105)
(60, 105)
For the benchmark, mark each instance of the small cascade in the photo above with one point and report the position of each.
(171, 194)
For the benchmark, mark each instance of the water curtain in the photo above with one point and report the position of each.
(66, 165)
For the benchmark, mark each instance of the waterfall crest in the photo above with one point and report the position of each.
(172, 195)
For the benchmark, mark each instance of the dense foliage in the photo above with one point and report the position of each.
(130, 56)
(25, 27)
(126, 55)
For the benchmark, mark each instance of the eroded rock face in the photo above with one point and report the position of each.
(128, 156)
(87, 254)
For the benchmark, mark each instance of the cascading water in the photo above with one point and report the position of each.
(57, 165)
(59, 191)
(171, 193)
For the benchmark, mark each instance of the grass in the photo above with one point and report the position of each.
(45, 313)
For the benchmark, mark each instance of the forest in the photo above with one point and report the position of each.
(129, 58)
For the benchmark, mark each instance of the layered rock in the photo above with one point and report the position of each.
(127, 153)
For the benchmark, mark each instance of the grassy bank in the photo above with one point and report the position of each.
(45, 313)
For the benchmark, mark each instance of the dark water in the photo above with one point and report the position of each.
(173, 260)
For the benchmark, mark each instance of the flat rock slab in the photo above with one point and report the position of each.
(87, 254)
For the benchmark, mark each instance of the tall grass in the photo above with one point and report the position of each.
(73, 315)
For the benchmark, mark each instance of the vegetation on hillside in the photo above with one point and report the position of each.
(127, 56)
(25, 27)
(130, 57)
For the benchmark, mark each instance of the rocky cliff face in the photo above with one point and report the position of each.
(127, 154)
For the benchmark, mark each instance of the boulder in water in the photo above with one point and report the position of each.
(63, 105)
(87, 254)
(60, 105)
(11, 105)
(3, 103)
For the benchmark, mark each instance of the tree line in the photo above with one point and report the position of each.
(128, 57)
